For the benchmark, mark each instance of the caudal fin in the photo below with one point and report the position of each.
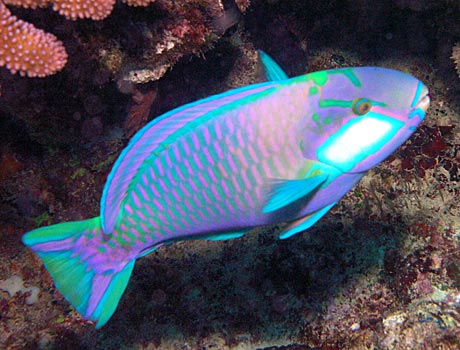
(77, 260)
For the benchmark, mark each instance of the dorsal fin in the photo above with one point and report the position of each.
(272, 70)
(153, 138)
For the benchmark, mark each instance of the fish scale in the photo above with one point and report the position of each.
(206, 168)
(281, 151)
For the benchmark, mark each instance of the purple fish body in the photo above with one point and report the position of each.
(282, 151)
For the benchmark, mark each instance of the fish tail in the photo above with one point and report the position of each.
(82, 267)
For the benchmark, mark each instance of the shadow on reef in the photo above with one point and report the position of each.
(195, 77)
(376, 32)
(256, 283)
(331, 285)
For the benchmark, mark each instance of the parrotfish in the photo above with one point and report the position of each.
(285, 150)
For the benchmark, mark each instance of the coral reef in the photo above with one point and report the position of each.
(456, 57)
(33, 52)
(139, 109)
(381, 271)
(28, 50)
(73, 9)
(147, 49)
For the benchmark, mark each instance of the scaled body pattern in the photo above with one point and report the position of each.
(281, 151)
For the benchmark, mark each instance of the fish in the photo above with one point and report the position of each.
(281, 151)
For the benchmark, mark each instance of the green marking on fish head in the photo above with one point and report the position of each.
(349, 73)
(317, 120)
(360, 115)
(313, 90)
(319, 78)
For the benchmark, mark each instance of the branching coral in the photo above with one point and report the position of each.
(28, 50)
(35, 53)
(73, 9)
(182, 27)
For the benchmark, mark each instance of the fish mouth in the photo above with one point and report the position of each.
(424, 102)
(422, 98)
(420, 104)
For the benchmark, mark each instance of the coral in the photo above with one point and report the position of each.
(186, 29)
(137, 50)
(28, 50)
(139, 110)
(35, 53)
(73, 9)
(380, 271)
(456, 57)
(242, 4)
(138, 2)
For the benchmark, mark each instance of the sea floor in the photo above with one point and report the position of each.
(380, 271)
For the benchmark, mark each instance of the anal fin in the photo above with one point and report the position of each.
(305, 222)
(226, 235)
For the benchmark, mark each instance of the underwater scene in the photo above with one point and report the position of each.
(229, 174)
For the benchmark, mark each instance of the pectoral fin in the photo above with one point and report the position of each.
(285, 192)
(304, 223)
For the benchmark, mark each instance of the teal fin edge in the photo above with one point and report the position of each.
(78, 285)
(285, 192)
(225, 236)
(112, 295)
(59, 232)
(94, 294)
(305, 223)
(272, 70)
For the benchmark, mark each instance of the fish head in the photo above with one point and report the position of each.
(361, 116)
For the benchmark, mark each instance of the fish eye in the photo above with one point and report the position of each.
(361, 106)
